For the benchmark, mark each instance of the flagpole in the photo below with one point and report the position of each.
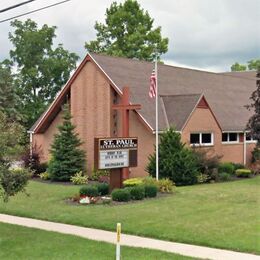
(156, 119)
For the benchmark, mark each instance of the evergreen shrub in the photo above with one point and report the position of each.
(67, 157)
(103, 189)
(121, 195)
(243, 173)
(137, 192)
(89, 190)
(177, 162)
(226, 167)
(150, 190)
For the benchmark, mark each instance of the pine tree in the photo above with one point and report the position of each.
(67, 158)
(176, 161)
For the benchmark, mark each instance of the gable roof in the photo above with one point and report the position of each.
(227, 94)
(178, 108)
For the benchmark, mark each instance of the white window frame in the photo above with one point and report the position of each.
(200, 139)
(230, 142)
(251, 141)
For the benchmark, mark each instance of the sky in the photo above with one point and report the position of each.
(203, 34)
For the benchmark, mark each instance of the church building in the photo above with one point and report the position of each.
(208, 109)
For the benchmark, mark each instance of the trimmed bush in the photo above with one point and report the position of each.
(132, 182)
(79, 178)
(224, 176)
(150, 190)
(166, 185)
(243, 173)
(88, 190)
(121, 195)
(137, 192)
(103, 188)
(226, 167)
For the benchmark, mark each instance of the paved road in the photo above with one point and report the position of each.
(129, 240)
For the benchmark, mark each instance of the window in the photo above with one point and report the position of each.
(249, 138)
(230, 137)
(201, 139)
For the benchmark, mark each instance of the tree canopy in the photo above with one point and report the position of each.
(8, 96)
(128, 31)
(251, 65)
(41, 70)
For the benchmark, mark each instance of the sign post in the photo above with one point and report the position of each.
(115, 154)
(118, 238)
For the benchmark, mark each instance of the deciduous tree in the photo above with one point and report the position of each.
(128, 31)
(251, 65)
(41, 69)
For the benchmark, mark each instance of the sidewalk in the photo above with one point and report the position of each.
(129, 240)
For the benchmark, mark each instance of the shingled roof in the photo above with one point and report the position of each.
(226, 93)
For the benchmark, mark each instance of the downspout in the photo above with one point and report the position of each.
(244, 149)
(31, 143)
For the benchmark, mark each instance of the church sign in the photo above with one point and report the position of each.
(111, 153)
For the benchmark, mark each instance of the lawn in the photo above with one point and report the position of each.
(27, 243)
(223, 215)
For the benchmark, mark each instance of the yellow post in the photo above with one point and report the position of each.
(118, 237)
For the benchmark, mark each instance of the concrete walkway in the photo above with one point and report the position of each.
(129, 240)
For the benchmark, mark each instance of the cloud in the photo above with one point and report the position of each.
(203, 34)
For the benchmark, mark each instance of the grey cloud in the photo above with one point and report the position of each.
(203, 34)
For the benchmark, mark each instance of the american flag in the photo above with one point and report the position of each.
(152, 90)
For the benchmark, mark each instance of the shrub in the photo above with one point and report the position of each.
(177, 162)
(79, 178)
(97, 175)
(44, 176)
(256, 154)
(166, 185)
(150, 190)
(224, 176)
(150, 180)
(132, 182)
(13, 181)
(243, 173)
(208, 162)
(89, 190)
(226, 167)
(32, 161)
(103, 188)
(203, 178)
(238, 166)
(121, 195)
(137, 192)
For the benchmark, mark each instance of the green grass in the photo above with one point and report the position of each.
(224, 215)
(27, 243)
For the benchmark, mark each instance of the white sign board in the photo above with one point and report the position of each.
(113, 159)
